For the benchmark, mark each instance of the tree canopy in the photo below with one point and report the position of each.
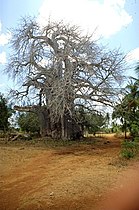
(29, 122)
(5, 113)
(59, 70)
(128, 110)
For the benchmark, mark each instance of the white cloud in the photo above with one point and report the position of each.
(133, 56)
(3, 58)
(4, 38)
(108, 17)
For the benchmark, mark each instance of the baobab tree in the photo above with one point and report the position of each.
(59, 70)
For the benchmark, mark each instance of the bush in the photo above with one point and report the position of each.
(2, 134)
(29, 122)
(129, 149)
(134, 129)
(5, 114)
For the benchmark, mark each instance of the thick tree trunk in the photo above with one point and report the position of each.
(45, 124)
(62, 127)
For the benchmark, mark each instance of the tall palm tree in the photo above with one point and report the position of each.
(128, 110)
(137, 70)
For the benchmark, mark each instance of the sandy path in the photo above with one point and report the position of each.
(64, 179)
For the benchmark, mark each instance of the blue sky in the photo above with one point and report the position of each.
(117, 22)
(127, 38)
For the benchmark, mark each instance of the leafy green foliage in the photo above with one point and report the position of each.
(5, 114)
(93, 122)
(116, 128)
(29, 122)
(129, 149)
(96, 121)
(128, 110)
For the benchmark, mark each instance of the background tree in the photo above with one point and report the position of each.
(59, 70)
(121, 112)
(95, 122)
(29, 122)
(5, 114)
(91, 122)
(128, 110)
(137, 71)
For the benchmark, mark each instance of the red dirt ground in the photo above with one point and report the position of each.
(81, 176)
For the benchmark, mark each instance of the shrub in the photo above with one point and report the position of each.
(129, 149)
(29, 122)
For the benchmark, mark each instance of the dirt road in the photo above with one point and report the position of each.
(66, 178)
